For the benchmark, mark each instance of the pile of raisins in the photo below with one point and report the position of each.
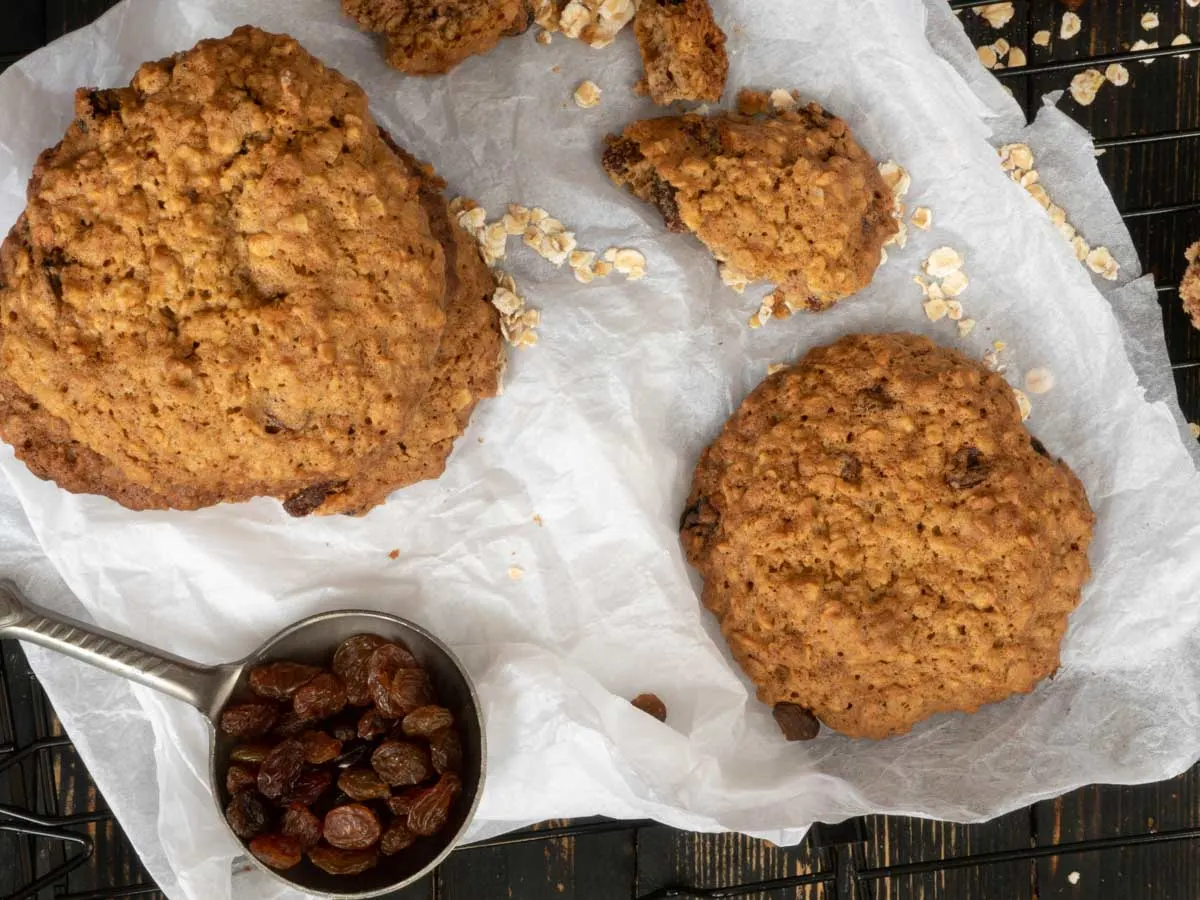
(342, 766)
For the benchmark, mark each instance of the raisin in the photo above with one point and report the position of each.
(350, 664)
(342, 862)
(279, 851)
(307, 500)
(249, 720)
(240, 777)
(651, 705)
(968, 468)
(344, 731)
(322, 697)
(309, 787)
(363, 784)
(246, 814)
(425, 720)
(291, 724)
(400, 804)
(395, 837)
(401, 763)
(445, 751)
(431, 806)
(385, 664)
(280, 769)
(353, 754)
(320, 748)
(410, 691)
(249, 753)
(796, 722)
(300, 823)
(351, 827)
(279, 680)
(371, 725)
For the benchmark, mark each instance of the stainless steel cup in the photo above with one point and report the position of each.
(209, 688)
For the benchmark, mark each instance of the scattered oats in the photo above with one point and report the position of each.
(965, 327)
(1029, 178)
(996, 14)
(895, 177)
(507, 302)
(1193, 3)
(942, 262)
(1081, 248)
(776, 367)
(1073, 877)
(581, 259)
(765, 313)
(1100, 261)
(1192, 426)
(630, 263)
(1098, 152)
(954, 310)
(587, 95)
(602, 269)
(935, 292)
(1039, 380)
(733, 279)
(1085, 85)
(1023, 403)
(548, 237)
(1038, 193)
(1042, 38)
(922, 218)
(544, 38)
(900, 238)
(991, 361)
(1001, 47)
(492, 241)
(936, 309)
(1016, 58)
(999, 66)
(1071, 26)
(883, 257)
(1181, 40)
(922, 284)
(1149, 21)
(782, 100)
(1067, 230)
(1140, 44)
(1058, 215)
(472, 219)
(1016, 157)
(516, 573)
(987, 57)
(999, 346)
(954, 283)
(584, 275)
(1117, 74)
(537, 216)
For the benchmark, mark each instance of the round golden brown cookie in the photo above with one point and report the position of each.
(431, 37)
(223, 285)
(466, 369)
(882, 540)
(789, 198)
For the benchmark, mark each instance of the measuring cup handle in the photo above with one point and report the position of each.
(194, 684)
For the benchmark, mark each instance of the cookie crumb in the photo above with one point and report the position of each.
(516, 573)
(395, 554)
(922, 218)
(996, 14)
(651, 705)
(1149, 21)
(1085, 85)
(1073, 878)
(537, 520)
(1042, 38)
(1071, 26)
(1039, 380)
(1117, 74)
(544, 38)
(587, 95)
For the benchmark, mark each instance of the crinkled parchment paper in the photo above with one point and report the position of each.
(596, 435)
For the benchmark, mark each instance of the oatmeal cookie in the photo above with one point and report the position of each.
(790, 198)
(683, 51)
(882, 540)
(1189, 288)
(466, 369)
(431, 37)
(223, 285)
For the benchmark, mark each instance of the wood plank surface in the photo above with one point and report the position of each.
(1162, 97)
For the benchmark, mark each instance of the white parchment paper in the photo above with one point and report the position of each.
(596, 434)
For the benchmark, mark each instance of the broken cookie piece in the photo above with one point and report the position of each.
(787, 197)
(683, 51)
(1189, 288)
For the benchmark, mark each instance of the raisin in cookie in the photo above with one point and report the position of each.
(882, 540)
(466, 369)
(431, 37)
(790, 198)
(683, 51)
(223, 285)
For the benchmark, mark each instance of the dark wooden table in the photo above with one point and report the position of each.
(1101, 842)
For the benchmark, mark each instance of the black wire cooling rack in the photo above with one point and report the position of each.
(41, 774)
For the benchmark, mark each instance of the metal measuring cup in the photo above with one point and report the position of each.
(209, 689)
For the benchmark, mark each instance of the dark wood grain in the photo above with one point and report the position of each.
(1162, 97)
